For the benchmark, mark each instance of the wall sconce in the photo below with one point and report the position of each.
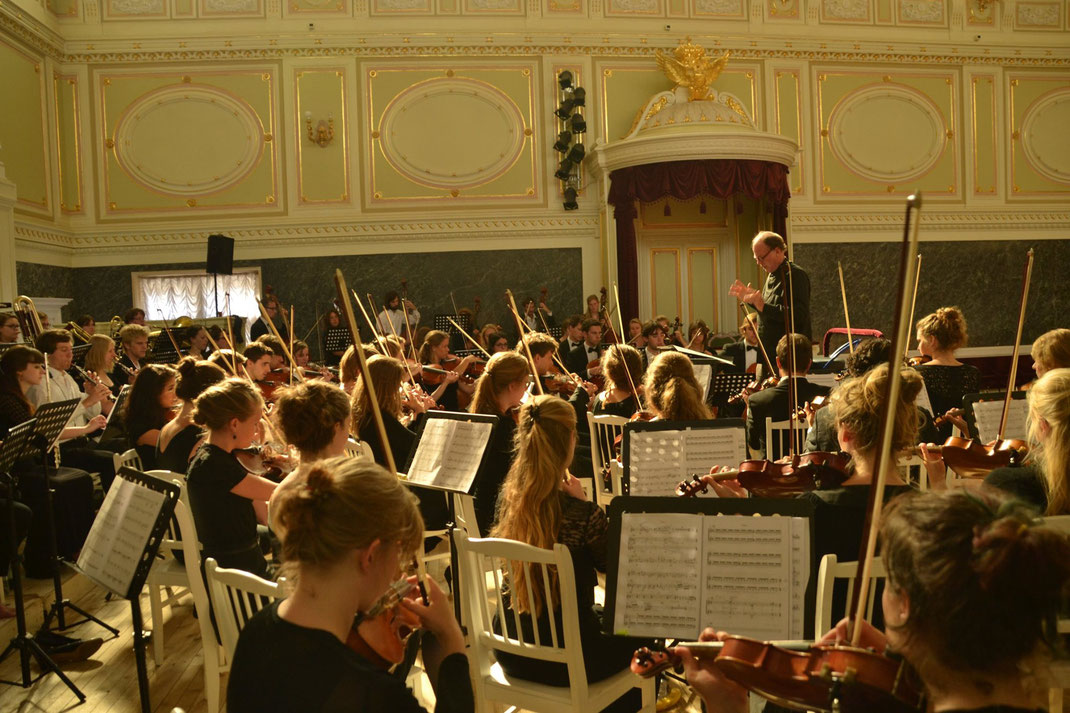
(323, 133)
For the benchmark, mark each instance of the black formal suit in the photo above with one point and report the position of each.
(258, 330)
(736, 351)
(580, 357)
(773, 403)
(771, 321)
(565, 347)
(119, 377)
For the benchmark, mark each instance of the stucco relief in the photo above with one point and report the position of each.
(478, 137)
(402, 5)
(494, 5)
(846, 9)
(730, 8)
(231, 7)
(1035, 14)
(1043, 135)
(136, 7)
(929, 12)
(911, 132)
(158, 133)
(631, 7)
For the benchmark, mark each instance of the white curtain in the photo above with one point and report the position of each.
(194, 295)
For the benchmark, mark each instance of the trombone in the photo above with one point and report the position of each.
(29, 320)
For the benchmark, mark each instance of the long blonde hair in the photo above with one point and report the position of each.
(672, 389)
(503, 370)
(99, 344)
(1049, 401)
(529, 509)
(859, 405)
(386, 373)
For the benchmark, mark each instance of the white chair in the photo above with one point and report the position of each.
(359, 449)
(236, 597)
(912, 470)
(777, 435)
(604, 430)
(827, 574)
(478, 560)
(129, 458)
(166, 573)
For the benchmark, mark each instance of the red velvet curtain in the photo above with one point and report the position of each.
(718, 178)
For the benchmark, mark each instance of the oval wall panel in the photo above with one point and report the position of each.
(887, 133)
(1044, 136)
(452, 133)
(188, 140)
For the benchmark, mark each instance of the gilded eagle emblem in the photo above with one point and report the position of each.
(689, 66)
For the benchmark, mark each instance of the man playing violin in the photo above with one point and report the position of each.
(770, 252)
(654, 339)
(258, 358)
(581, 356)
(745, 354)
(573, 336)
(774, 401)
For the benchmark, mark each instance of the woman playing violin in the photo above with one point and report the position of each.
(635, 333)
(957, 564)
(672, 391)
(315, 419)
(947, 379)
(435, 352)
(346, 525)
(179, 438)
(195, 341)
(386, 376)
(698, 335)
(499, 391)
(622, 367)
(148, 408)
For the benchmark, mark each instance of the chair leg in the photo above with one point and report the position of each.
(156, 606)
(1055, 700)
(211, 676)
(649, 697)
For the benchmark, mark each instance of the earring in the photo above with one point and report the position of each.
(234, 436)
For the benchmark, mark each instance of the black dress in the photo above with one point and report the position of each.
(286, 668)
(491, 475)
(1023, 482)
(946, 386)
(432, 502)
(176, 456)
(584, 530)
(226, 523)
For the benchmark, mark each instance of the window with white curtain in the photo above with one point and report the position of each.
(192, 293)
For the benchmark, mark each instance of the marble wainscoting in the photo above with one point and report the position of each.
(308, 283)
(982, 278)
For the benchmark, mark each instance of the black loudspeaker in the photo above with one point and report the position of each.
(220, 259)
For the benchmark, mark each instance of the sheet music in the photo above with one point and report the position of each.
(120, 531)
(754, 572)
(657, 587)
(987, 415)
(704, 374)
(659, 460)
(449, 453)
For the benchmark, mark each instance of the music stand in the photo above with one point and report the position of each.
(80, 352)
(23, 642)
(51, 420)
(162, 351)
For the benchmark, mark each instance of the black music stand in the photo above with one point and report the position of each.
(162, 350)
(23, 642)
(80, 352)
(120, 524)
(51, 420)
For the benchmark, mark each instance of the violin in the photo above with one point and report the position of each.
(259, 460)
(555, 383)
(919, 360)
(380, 634)
(475, 369)
(791, 475)
(433, 376)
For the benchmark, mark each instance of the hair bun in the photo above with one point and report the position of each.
(1009, 551)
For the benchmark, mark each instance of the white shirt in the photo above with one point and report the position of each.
(63, 388)
(396, 317)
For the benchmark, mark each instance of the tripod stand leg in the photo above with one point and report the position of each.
(48, 665)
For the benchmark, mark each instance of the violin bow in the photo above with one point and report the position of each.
(913, 301)
(627, 370)
(293, 364)
(885, 457)
(846, 315)
(371, 324)
(527, 347)
(286, 350)
(793, 384)
(557, 360)
(230, 337)
(454, 303)
(172, 338)
(358, 348)
(1017, 342)
(404, 361)
(468, 336)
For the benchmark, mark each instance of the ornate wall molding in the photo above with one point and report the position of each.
(978, 224)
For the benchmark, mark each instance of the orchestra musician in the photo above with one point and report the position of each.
(87, 323)
(149, 407)
(180, 436)
(775, 401)
(386, 375)
(947, 379)
(100, 360)
(225, 359)
(393, 316)
(498, 342)
(531, 319)
(258, 360)
(346, 526)
(195, 341)
(226, 501)
(75, 447)
(134, 315)
(594, 309)
(582, 356)
(622, 367)
(572, 338)
(673, 335)
(698, 334)
(635, 333)
(745, 353)
(770, 252)
(315, 418)
(435, 352)
(134, 339)
(653, 341)
(278, 351)
(499, 391)
(955, 561)
(672, 391)
(9, 328)
(335, 335)
(543, 505)
(260, 327)
(1051, 350)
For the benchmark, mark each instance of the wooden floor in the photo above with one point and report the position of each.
(109, 679)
